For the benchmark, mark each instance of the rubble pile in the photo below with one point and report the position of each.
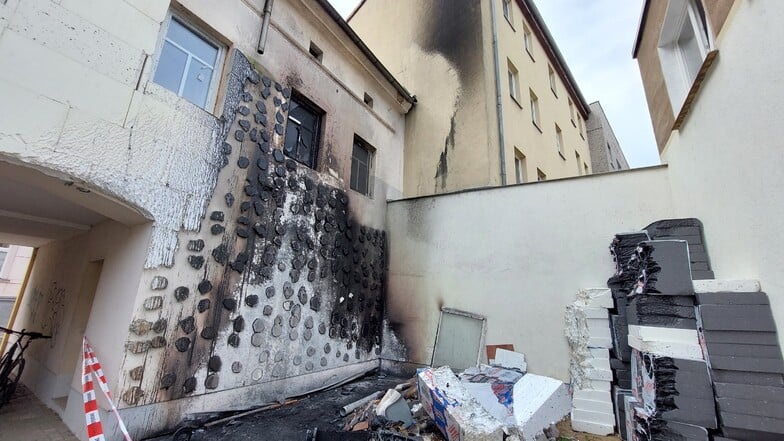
(483, 403)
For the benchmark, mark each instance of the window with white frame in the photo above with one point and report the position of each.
(507, 7)
(559, 140)
(527, 39)
(684, 43)
(571, 111)
(4, 250)
(361, 167)
(514, 82)
(579, 163)
(520, 167)
(189, 63)
(580, 126)
(551, 77)
(534, 108)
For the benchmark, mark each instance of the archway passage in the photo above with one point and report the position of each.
(83, 279)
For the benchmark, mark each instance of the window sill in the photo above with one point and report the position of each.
(582, 136)
(695, 89)
(554, 93)
(510, 24)
(574, 124)
(537, 126)
(530, 55)
(561, 155)
(516, 101)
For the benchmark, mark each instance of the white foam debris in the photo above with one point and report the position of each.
(510, 359)
(456, 412)
(589, 335)
(708, 286)
(666, 342)
(540, 401)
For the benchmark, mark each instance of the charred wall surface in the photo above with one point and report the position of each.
(280, 281)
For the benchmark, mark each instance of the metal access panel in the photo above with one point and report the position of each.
(459, 339)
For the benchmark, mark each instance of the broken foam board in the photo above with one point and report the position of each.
(455, 411)
(510, 360)
(544, 401)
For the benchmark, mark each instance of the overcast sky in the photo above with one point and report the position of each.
(596, 39)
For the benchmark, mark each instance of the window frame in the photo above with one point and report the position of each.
(540, 175)
(521, 173)
(559, 142)
(305, 102)
(528, 41)
(534, 104)
(513, 76)
(506, 10)
(579, 160)
(217, 70)
(552, 80)
(371, 151)
(571, 111)
(678, 79)
(5, 267)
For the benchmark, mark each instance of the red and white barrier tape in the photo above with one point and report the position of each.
(91, 365)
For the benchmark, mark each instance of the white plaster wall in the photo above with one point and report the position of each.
(59, 268)
(516, 255)
(726, 162)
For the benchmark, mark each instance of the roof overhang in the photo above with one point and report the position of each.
(643, 17)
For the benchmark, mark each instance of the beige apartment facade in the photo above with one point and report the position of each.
(207, 203)
(446, 53)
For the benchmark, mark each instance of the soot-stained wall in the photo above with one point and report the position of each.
(282, 280)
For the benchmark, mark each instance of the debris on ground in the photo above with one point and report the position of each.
(484, 403)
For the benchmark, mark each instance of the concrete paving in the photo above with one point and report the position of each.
(26, 418)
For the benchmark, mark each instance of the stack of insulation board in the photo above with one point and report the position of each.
(671, 386)
(624, 251)
(741, 345)
(588, 333)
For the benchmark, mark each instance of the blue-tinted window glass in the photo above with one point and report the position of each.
(192, 43)
(171, 67)
(187, 64)
(197, 83)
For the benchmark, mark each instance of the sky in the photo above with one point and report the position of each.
(596, 39)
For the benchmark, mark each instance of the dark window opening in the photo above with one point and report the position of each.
(316, 52)
(361, 157)
(302, 131)
(368, 100)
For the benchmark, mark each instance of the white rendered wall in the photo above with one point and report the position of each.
(517, 255)
(726, 162)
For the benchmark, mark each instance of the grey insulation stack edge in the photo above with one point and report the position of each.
(664, 268)
(690, 230)
(742, 349)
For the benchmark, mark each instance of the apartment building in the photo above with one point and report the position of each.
(606, 152)
(497, 102)
(206, 186)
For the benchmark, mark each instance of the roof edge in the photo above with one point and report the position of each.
(643, 17)
(356, 9)
(532, 13)
(333, 13)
